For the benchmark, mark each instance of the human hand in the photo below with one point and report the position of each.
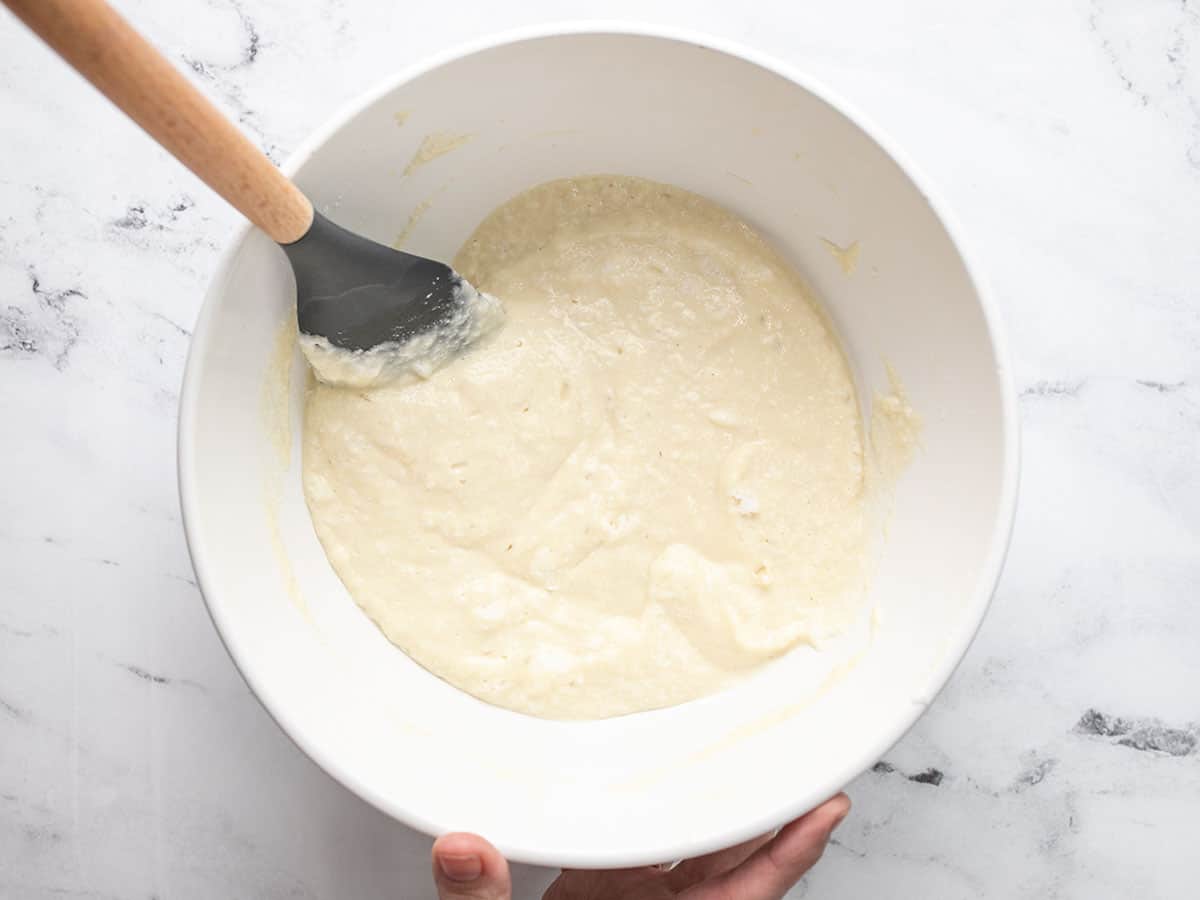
(466, 867)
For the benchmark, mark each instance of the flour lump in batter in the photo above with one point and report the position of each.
(647, 484)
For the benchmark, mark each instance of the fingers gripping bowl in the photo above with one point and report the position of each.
(895, 284)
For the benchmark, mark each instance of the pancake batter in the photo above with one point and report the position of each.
(648, 483)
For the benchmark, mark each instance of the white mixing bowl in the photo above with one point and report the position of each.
(800, 166)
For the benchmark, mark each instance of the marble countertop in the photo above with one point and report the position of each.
(1063, 760)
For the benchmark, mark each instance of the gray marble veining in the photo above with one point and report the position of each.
(1063, 759)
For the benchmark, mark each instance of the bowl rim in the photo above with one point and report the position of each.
(790, 805)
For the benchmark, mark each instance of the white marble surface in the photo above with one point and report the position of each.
(1064, 758)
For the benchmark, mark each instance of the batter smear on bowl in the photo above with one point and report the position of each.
(647, 484)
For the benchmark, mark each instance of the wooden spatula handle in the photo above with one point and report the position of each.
(105, 49)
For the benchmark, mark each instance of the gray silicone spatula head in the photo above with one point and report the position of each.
(369, 314)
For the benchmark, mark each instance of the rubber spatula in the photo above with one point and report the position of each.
(367, 301)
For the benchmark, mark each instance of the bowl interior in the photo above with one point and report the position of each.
(659, 785)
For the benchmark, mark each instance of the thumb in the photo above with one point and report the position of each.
(466, 867)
